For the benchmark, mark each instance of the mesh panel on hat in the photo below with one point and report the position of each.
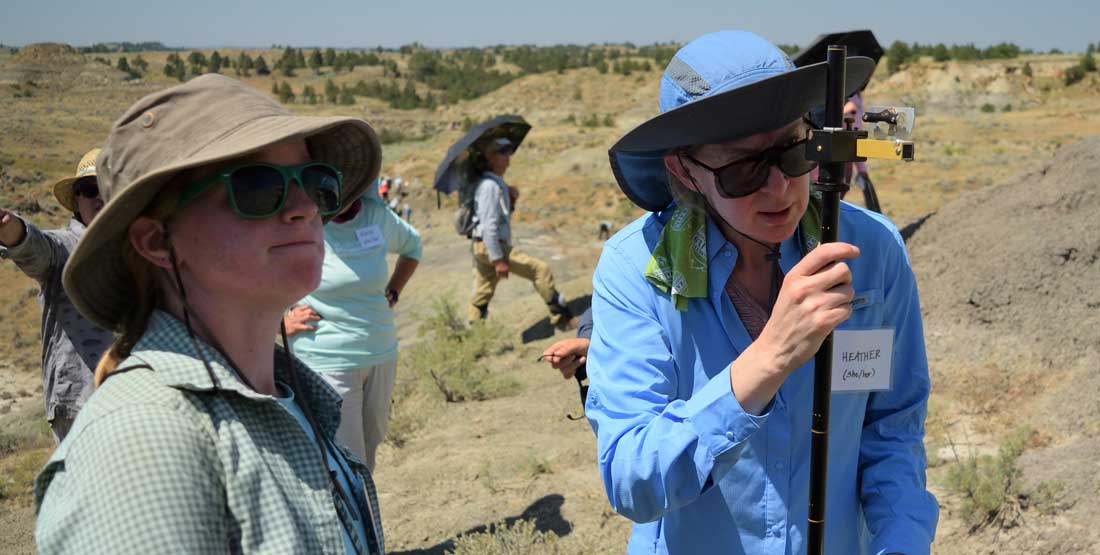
(688, 79)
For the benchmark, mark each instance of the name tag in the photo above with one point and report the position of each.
(369, 237)
(862, 359)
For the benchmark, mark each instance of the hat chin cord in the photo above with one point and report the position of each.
(294, 385)
(773, 255)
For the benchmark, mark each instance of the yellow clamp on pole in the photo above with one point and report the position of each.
(885, 149)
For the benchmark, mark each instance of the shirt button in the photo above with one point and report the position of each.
(728, 254)
(778, 465)
(729, 436)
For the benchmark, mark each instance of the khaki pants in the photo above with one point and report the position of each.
(365, 412)
(519, 264)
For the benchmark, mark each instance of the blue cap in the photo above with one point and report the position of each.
(717, 62)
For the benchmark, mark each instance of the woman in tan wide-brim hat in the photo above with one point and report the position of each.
(202, 437)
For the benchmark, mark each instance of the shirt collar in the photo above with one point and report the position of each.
(789, 251)
(167, 348)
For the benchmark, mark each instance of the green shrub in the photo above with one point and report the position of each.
(1073, 75)
(991, 486)
(988, 108)
(1087, 63)
(535, 465)
(389, 136)
(521, 538)
(408, 412)
(451, 355)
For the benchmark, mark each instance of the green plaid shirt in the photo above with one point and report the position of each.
(161, 460)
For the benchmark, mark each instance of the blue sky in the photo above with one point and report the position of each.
(1066, 24)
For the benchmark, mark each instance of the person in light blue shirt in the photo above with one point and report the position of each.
(345, 329)
(709, 309)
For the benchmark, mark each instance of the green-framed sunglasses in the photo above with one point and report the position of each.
(259, 191)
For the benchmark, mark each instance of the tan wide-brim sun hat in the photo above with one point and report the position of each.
(209, 120)
(63, 189)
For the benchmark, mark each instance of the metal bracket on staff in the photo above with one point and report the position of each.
(886, 138)
(833, 147)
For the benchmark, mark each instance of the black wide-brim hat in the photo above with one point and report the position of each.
(861, 42)
(720, 87)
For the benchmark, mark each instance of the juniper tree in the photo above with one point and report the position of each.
(216, 62)
(140, 64)
(286, 94)
(197, 61)
(332, 93)
(244, 64)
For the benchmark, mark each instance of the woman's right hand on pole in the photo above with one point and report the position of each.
(815, 298)
(298, 319)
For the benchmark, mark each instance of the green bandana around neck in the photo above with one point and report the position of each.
(678, 265)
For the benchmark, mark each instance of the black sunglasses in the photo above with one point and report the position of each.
(87, 187)
(745, 176)
(260, 190)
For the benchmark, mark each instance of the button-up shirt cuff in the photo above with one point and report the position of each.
(901, 539)
(720, 423)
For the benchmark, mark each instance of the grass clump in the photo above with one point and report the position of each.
(25, 444)
(536, 465)
(521, 538)
(452, 355)
(18, 471)
(992, 490)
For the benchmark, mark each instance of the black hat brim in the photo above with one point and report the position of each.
(860, 42)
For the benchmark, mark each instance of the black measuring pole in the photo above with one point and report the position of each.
(831, 184)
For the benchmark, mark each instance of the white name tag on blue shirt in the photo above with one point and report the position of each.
(862, 359)
(369, 236)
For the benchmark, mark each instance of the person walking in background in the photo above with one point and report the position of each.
(71, 345)
(203, 436)
(494, 257)
(345, 329)
(406, 208)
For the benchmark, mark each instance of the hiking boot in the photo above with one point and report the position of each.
(560, 315)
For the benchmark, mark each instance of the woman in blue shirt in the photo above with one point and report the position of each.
(345, 329)
(708, 312)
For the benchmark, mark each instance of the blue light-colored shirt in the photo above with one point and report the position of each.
(493, 215)
(356, 329)
(339, 467)
(695, 472)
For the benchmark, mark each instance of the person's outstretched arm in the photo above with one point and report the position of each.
(36, 252)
